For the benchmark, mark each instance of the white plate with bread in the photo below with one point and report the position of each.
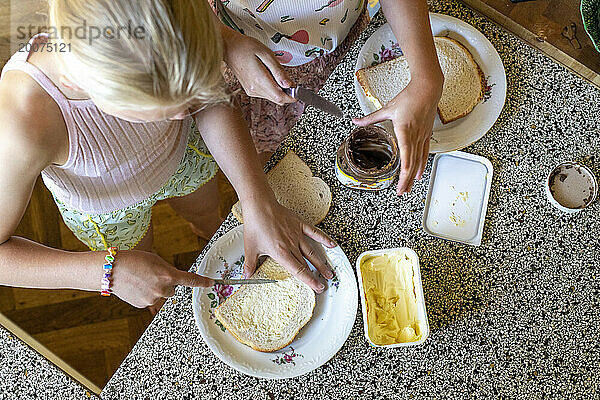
(277, 330)
(474, 88)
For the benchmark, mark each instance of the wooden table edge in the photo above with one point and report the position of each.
(47, 354)
(531, 39)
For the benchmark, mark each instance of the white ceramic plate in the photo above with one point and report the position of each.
(382, 45)
(317, 342)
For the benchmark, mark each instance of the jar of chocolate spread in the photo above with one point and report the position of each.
(368, 159)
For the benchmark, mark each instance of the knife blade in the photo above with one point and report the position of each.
(309, 97)
(243, 281)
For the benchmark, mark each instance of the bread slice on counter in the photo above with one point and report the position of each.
(464, 83)
(297, 189)
(268, 317)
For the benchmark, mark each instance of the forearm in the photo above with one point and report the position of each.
(227, 34)
(24, 263)
(225, 133)
(409, 20)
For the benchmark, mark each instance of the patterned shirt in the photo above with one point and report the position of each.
(297, 31)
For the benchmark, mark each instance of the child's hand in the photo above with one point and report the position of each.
(276, 231)
(144, 279)
(255, 66)
(412, 113)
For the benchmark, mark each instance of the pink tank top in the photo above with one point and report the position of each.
(112, 163)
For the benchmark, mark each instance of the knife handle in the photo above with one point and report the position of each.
(292, 92)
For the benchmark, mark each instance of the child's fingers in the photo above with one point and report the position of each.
(316, 258)
(190, 279)
(294, 262)
(318, 235)
(407, 155)
(265, 87)
(281, 77)
(250, 261)
(373, 118)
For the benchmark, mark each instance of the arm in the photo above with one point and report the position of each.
(409, 20)
(23, 155)
(413, 111)
(27, 146)
(269, 228)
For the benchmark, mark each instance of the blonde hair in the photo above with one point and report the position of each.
(176, 62)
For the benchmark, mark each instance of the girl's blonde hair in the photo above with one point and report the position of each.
(142, 53)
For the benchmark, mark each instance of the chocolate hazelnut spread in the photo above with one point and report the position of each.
(368, 159)
(369, 150)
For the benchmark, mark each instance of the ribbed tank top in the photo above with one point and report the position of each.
(112, 163)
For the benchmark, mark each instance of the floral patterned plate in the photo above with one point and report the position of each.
(383, 46)
(332, 321)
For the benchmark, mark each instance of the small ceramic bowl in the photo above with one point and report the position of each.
(571, 187)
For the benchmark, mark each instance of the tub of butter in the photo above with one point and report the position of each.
(392, 300)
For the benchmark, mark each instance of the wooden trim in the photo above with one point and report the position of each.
(528, 37)
(51, 357)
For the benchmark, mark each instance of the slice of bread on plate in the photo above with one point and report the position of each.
(268, 317)
(382, 82)
(297, 189)
(464, 82)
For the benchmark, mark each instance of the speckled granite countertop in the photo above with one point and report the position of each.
(518, 317)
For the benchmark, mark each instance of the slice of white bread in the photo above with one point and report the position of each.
(382, 82)
(464, 82)
(296, 189)
(268, 317)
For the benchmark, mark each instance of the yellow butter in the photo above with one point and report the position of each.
(391, 302)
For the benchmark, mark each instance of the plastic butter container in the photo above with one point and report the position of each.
(458, 196)
(391, 293)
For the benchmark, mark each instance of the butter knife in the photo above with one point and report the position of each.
(243, 281)
(309, 97)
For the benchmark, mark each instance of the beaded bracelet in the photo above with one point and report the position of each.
(107, 271)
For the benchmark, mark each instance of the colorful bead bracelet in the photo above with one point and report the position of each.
(107, 271)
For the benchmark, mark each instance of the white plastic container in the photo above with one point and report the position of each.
(578, 187)
(459, 190)
(418, 285)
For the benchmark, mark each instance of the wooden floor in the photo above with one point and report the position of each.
(92, 334)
